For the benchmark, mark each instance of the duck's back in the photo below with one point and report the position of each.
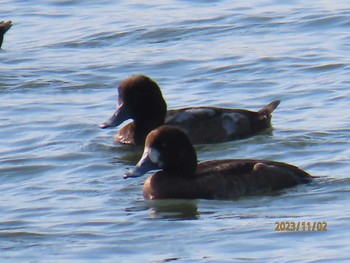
(215, 125)
(229, 179)
(211, 125)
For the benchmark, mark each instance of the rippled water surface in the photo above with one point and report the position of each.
(63, 198)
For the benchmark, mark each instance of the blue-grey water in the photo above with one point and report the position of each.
(63, 197)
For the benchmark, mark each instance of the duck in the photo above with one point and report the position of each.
(4, 27)
(179, 176)
(140, 99)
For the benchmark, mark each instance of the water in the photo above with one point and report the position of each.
(63, 198)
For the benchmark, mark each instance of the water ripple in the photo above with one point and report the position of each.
(63, 195)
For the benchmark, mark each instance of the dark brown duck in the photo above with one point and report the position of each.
(140, 99)
(169, 150)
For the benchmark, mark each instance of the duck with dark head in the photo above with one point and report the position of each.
(141, 100)
(170, 151)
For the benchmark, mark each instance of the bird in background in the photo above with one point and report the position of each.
(4, 27)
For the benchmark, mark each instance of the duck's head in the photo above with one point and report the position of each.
(167, 149)
(140, 99)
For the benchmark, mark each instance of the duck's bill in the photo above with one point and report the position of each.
(117, 118)
(142, 167)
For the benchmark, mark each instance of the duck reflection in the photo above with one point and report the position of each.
(173, 209)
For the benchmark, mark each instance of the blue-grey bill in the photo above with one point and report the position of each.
(142, 167)
(118, 117)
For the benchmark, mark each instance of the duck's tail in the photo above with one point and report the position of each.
(268, 109)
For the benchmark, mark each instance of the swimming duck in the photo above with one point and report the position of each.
(141, 100)
(180, 177)
(4, 27)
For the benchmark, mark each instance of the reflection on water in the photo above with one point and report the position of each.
(173, 209)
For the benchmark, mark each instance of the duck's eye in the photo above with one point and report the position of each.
(163, 145)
